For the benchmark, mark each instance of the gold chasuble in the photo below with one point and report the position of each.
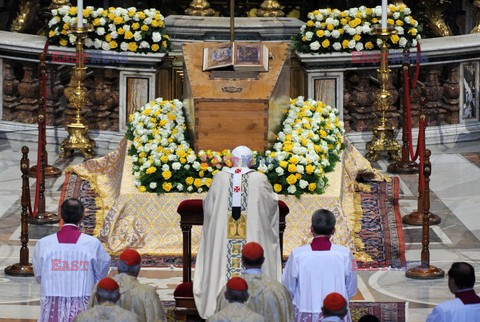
(240, 207)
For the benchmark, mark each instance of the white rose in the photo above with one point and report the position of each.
(407, 20)
(379, 42)
(156, 36)
(186, 166)
(124, 46)
(329, 20)
(100, 31)
(196, 165)
(114, 35)
(407, 11)
(315, 45)
(319, 17)
(359, 46)
(144, 44)
(54, 12)
(351, 31)
(366, 29)
(63, 10)
(147, 21)
(126, 27)
(300, 169)
(190, 188)
(378, 11)
(176, 166)
(103, 21)
(72, 38)
(52, 22)
(327, 33)
(137, 36)
(179, 187)
(402, 42)
(337, 46)
(291, 189)
(97, 43)
(66, 19)
(399, 30)
(165, 167)
(318, 24)
(414, 42)
(351, 44)
(311, 16)
(279, 171)
(105, 46)
(302, 28)
(308, 35)
(303, 184)
(335, 34)
(153, 185)
(200, 190)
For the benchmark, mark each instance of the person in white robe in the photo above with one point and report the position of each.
(240, 206)
(334, 308)
(315, 270)
(141, 299)
(67, 265)
(466, 304)
(107, 295)
(267, 297)
(236, 311)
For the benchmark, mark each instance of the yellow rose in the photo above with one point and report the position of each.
(277, 187)
(412, 32)
(141, 15)
(345, 43)
(198, 183)
(312, 186)
(151, 170)
(309, 168)
(341, 31)
(164, 44)
(394, 38)
(51, 33)
(120, 31)
(131, 13)
(320, 33)
(72, 11)
(208, 182)
(166, 174)
(393, 9)
(291, 179)
(293, 160)
(108, 37)
(164, 159)
(390, 21)
(155, 47)
(330, 27)
(189, 181)
(128, 35)
(132, 46)
(399, 22)
(283, 164)
(63, 42)
(142, 189)
(144, 28)
(323, 134)
(343, 21)
(369, 11)
(104, 13)
(135, 25)
(154, 23)
(369, 45)
(167, 186)
(118, 20)
(292, 168)
(325, 43)
(374, 20)
(66, 26)
(310, 23)
(111, 16)
(357, 37)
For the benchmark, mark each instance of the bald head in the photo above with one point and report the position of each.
(461, 276)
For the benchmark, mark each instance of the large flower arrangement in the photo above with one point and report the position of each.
(330, 30)
(115, 29)
(308, 146)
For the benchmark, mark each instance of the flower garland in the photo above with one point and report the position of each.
(308, 146)
(114, 29)
(350, 30)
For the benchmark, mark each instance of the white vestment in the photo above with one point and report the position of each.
(455, 310)
(67, 273)
(311, 275)
(236, 312)
(219, 257)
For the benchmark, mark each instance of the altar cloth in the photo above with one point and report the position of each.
(149, 222)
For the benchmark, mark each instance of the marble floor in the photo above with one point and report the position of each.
(455, 197)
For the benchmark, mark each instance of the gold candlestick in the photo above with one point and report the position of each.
(78, 130)
(270, 8)
(383, 132)
(199, 8)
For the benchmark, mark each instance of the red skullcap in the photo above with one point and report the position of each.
(334, 302)
(130, 257)
(252, 251)
(108, 284)
(237, 284)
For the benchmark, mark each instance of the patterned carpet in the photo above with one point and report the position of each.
(384, 311)
(381, 230)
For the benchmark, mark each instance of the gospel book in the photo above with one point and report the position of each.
(239, 56)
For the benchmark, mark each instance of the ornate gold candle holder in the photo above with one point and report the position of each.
(270, 8)
(383, 132)
(199, 8)
(78, 138)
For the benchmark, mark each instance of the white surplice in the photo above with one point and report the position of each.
(67, 273)
(455, 310)
(311, 275)
(262, 216)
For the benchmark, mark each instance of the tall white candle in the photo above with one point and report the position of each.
(384, 14)
(80, 13)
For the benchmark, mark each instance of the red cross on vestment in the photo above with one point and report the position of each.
(236, 189)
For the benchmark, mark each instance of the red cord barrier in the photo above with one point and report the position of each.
(41, 139)
(406, 102)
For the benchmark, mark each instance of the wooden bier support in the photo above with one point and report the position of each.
(236, 108)
(191, 213)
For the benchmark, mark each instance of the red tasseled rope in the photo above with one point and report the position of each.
(41, 138)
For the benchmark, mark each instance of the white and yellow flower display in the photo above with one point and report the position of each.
(332, 30)
(307, 147)
(114, 29)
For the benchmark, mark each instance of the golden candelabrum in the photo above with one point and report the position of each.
(78, 138)
(383, 132)
(270, 8)
(199, 8)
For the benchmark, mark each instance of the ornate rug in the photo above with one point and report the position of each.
(381, 224)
